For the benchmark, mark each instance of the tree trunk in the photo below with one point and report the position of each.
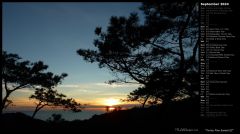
(143, 105)
(38, 107)
(182, 68)
(1, 101)
(35, 111)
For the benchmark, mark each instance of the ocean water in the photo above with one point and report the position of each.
(67, 115)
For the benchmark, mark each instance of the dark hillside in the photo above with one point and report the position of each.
(163, 118)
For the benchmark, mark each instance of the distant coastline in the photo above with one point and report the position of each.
(87, 112)
(67, 115)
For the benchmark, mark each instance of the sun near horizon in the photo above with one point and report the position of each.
(111, 102)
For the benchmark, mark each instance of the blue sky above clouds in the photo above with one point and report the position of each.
(53, 32)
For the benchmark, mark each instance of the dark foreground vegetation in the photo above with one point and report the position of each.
(161, 119)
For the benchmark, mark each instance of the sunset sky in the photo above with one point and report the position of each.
(52, 33)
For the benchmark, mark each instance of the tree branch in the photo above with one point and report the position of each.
(18, 87)
(125, 67)
(164, 49)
